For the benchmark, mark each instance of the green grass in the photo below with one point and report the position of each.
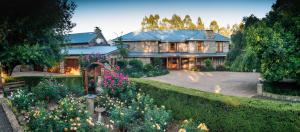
(288, 88)
(223, 113)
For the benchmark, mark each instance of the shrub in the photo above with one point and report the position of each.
(208, 65)
(141, 115)
(136, 64)
(148, 67)
(223, 113)
(70, 115)
(21, 99)
(117, 85)
(193, 126)
(49, 89)
(122, 63)
(220, 68)
(156, 62)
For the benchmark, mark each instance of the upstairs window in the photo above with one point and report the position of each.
(172, 47)
(200, 47)
(220, 47)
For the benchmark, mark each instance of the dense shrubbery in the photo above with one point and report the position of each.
(137, 69)
(70, 115)
(127, 110)
(223, 113)
(22, 99)
(50, 89)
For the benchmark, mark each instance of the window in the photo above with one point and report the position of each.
(219, 47)
(172, 47)
(200, 46)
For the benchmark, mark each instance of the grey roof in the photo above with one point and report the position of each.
(90, 50)
(176, 54)
(170, 36)
(80, 37)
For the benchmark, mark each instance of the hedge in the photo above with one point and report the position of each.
(70, 81)
(223, 113)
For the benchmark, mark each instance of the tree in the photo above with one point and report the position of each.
(31, 32)
(164, 24)
(123, 51)
(151, 22)
(176, 22)
(200, 24)
(214, 26)
(188, 23)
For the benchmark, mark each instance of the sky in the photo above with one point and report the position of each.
(118, 17)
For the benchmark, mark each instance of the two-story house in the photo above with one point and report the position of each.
(178, 49)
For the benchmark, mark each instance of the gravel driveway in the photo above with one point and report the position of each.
(227, 83)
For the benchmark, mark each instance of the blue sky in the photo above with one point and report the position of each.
(116, 17)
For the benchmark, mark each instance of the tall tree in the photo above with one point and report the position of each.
(151, 22)
(164, 24)
(200, 24)
(188, 23)
(214, 26)
(176, 22)
(32, 31)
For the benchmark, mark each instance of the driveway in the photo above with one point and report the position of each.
(227, 83)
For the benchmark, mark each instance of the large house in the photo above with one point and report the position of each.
(178, 49)
(80, 44)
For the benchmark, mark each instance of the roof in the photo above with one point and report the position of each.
(151, 54)
(170, 36)
(90, 50)
(80, 37)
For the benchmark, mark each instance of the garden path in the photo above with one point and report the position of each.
(4, 123)
(241, 84)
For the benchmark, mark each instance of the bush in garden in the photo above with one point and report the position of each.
(107, 102)
(49, 89)
(136, 64)
(21, 99)
(116, 84)
(220, 68)
(156, 62)
(39, 120)
(208, 65)
(122, 63)
(140, 115)
(147, 68)
(156, 119)
(70, 115)
(192, 126)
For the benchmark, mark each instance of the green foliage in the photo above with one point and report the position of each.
(270, 45)
(30, 36)
(223, 113)
(208, 65)
(148, 67)
(136, 64)
(193, 126)
(156, 62)
(141, 115)
(283, 88)
(49, 89)
(122, 63)
(123, 50)
(220, 68)
(70, 115)
(21, 99)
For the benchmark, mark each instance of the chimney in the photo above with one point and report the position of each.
(209, 34)
(97, 30)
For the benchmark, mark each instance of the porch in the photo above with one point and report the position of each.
(185, 63)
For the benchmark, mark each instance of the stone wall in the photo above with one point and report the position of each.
(261, 92)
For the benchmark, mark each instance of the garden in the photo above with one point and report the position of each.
(55, 104)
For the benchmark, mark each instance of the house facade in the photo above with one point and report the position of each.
(178, 49)
(81, 44)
